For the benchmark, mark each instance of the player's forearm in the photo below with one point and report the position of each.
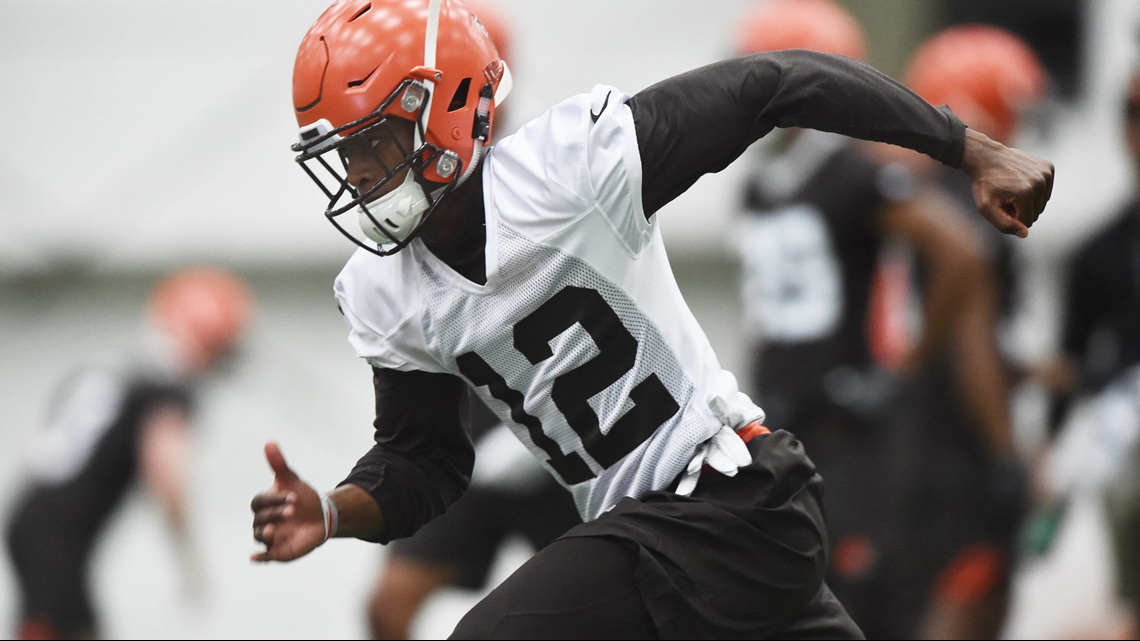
(409, 489)
(845, 96)
(945, 286)
(955, 272)
(981, 369)
(421, 462)
(164, 453)
(952, 260)
(358, 514)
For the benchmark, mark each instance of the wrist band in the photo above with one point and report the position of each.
(331, 516)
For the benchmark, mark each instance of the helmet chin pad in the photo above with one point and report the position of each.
(398, 213)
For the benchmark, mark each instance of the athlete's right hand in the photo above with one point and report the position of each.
(287, 518)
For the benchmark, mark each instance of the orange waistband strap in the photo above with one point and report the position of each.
(751, 431)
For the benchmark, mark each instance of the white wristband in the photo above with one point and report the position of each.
(331, 516)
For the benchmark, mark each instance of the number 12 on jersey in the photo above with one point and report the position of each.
(617, 347)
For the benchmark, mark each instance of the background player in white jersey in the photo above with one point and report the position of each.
(535, 273)
(117, 419)
(819, 211)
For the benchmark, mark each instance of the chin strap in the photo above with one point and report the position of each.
(481, 130)
(476, 156)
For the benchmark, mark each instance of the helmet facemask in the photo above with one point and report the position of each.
(389, 222)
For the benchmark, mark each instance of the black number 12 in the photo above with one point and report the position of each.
(617, 348)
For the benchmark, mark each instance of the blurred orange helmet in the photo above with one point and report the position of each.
(363, 62)
(987, 75)
(818, 25)
(205, 310)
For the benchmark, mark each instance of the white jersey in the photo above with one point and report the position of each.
(580, 339)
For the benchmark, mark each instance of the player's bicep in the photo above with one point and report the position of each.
(416, 409)
(687, 126)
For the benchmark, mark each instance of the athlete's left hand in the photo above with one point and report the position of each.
(287, 518)
(1010, 186)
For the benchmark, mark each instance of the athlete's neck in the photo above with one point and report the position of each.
(456, 232)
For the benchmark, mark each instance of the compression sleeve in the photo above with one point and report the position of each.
(699, 122)
(421, 462)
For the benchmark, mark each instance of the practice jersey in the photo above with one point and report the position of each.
(83, 462)
(808, 247)
(580, 339)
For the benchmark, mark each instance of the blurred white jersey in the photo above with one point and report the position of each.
(580, 340)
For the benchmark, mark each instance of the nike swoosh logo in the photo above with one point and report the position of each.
(595, 116)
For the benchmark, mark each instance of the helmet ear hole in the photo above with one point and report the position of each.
(459, 100)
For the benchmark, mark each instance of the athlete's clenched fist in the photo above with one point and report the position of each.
(1011, 187)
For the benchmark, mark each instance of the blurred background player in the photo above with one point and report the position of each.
(1096, 459)
(1101, 337)
(1102, 348)
(116, 420)
(960, 491)
(510, 494)
(819, 210)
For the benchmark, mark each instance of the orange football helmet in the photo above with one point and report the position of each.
(364, 62)
(204, 310)
(987, 75)
(818, 25)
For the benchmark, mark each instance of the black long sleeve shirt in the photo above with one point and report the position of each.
(699, 122)
(421, 462)
(687, 126)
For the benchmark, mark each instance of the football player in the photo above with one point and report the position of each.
(1101, 361)
(534, 274)
(962, 491)
(1100, 338)
(820, 210)
(510, 494)
(118, 420)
